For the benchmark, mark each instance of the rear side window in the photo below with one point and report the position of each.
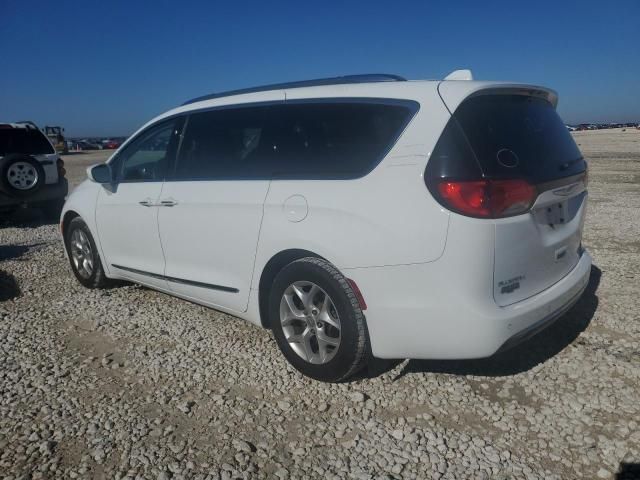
(515, 136)
(336, 140)
(301, 140)
(24, 140)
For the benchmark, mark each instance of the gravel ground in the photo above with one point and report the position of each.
(130, 383)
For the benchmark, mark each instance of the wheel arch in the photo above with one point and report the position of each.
(66, 220)
(276, 263)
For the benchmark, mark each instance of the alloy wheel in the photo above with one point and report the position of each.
(310, 322)
(81, 253)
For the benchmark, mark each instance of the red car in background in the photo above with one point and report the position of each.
(111, 144)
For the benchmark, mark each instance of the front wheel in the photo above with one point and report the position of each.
(317, 321)
(83, 255)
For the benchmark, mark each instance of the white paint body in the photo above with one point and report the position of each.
(427, 274)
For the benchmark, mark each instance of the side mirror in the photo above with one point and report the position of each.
(100, 173)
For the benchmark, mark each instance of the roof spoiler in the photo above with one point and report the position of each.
(460, 75)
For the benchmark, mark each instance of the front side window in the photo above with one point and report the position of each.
(146, 158)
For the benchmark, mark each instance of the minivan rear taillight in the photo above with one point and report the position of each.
(487, 198)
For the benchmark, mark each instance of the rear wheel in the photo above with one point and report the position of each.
(317, 321)
(83, 255)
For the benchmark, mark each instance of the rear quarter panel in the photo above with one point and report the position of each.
(387, 217)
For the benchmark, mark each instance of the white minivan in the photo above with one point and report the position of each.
(356, 217)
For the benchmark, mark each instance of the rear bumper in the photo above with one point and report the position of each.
(44, 194)
(541, 324)
(414, 313)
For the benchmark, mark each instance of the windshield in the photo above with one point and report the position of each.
(23, 140)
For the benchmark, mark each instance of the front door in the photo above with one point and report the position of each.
(213, 201)
(127, 211)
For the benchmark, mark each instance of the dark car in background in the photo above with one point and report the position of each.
(89, 145)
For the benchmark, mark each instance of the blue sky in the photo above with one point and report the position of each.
(104, 68)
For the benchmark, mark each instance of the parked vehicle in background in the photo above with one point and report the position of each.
(354, 216)
(87, 145)
(110, 144)
(31, 172)
(56, 137)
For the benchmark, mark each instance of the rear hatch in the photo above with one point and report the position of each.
(517, 141)
(27, 139)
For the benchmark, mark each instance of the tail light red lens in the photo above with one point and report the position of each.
(469, 198)
(487, 198)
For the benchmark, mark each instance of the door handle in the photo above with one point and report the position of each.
(168, 202)
(147, 202)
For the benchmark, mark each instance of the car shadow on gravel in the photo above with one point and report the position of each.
(628, 471)
(25, 217)
(13, 252)
(528, 354)
(8, 286)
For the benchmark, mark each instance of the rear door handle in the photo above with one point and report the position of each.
(147, 202)
(168, 202)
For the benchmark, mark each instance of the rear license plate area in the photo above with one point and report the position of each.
(556, 214)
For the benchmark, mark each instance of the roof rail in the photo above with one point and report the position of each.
(364, 78)
(27, 124)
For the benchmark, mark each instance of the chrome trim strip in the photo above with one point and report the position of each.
(178, 280)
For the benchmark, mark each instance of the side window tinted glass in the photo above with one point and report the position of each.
(298, 140)
(225, 144)
(146, 158)
(335, 140)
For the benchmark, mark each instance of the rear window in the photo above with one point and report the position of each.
(23, 140)
(518, 136)
(301, 140)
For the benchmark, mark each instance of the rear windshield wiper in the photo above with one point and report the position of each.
(566, 165)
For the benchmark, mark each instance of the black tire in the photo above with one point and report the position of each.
(52, 209)
(5, 183)
(352, 353)
(6, 212)
(97, 278)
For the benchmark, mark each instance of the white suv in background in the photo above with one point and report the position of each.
(31, 172)
(353, 216)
